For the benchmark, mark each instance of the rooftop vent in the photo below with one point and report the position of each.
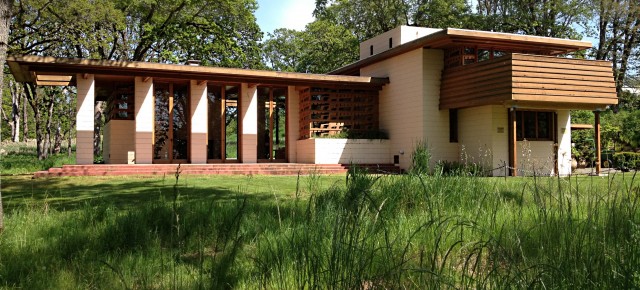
(193, 62)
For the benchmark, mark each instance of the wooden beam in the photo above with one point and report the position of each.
(513, 158)
(146, 79)
(597, 141)
(201, 82)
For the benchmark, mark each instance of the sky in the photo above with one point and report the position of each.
(292, 14)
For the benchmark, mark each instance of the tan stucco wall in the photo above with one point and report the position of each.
(199, 119)
(436, 121)
(344, 151)
(84, 118)
(409, 104)
(484, 137)
(537, 156)
(119, 139)
(144, 114)
(564, 142)
(249, 117)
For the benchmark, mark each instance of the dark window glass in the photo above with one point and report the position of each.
(390, 42)
(536, 126)
(453, 125)
(371, 50)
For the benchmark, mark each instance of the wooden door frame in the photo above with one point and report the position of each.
(272, 105)
(171, 104)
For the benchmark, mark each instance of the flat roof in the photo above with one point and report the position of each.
(46, 70)
(453, 37)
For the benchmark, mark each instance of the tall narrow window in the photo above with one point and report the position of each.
(370, 49)
(453, 125)
(390, 42)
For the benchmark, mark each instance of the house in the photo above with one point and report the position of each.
(503, 100)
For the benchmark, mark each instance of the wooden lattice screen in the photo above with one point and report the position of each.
(120, 105)
(326, 111)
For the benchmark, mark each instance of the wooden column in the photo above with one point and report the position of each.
(596, 139)
(513, 159)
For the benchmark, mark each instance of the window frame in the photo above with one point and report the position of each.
(521, 118)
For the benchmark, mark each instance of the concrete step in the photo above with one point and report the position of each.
(211, 169)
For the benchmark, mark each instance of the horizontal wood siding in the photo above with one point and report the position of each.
(529, 79)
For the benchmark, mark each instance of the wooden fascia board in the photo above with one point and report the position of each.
(452, 37)
(48, 65)
(519, 38)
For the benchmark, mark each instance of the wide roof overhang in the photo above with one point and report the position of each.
(45, 70)
(452, 37)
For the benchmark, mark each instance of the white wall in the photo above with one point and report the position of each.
(399, 35)
(343, 151)
(564, 142)
(144, 120)
(199, 121)
(249, 122)
(475, 135)
(84, 118)
(435, 121)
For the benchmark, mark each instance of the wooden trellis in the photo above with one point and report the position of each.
(120, 105)
(328, 111)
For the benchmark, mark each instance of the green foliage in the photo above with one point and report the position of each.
(323, 46)
(449, 168)
(389, 232)
(222, 33)
(627, 160)
(630, 128)
(29, 163)
(420, 158)
(552, 18)
(348, 134)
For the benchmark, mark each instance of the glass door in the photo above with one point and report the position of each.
(171, 134)
(222, 140)
(272, 124)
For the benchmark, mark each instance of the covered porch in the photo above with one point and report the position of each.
(164, 113)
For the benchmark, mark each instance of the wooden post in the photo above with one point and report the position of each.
(513, 160)
(597, 141)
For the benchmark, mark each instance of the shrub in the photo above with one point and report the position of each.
(420, 158)
(454, 168)
(627, 160)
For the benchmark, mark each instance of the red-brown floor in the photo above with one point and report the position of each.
(205, 169)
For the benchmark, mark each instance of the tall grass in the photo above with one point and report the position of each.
(407, 231)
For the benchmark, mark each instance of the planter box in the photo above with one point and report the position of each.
(344, 151)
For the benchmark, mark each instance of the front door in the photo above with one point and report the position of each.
(171, 135)
(272, 124)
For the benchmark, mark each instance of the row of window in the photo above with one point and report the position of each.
(530, 125)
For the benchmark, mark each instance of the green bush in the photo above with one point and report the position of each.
(420, 158)
(454, 168)
(627, 160)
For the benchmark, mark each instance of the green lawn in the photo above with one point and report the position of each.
(280, 232)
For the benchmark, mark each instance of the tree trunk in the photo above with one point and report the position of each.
(15, 111)
(48, 147)
(5, 16)
(57, 143)
(25, 118)
(97, 129)
(34, 103)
